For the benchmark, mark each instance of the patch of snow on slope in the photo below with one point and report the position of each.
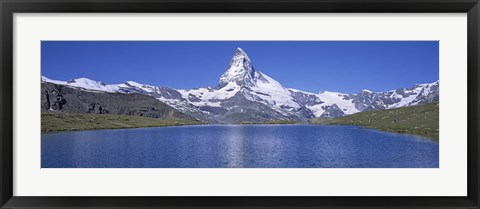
(92, 85)
(331, 98)
(85, 83)
(48, 80)
(144, 87)
(273, 92)
(208, 96)
(409, 99)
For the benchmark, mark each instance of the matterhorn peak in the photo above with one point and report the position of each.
(240, 70)
(240, 53)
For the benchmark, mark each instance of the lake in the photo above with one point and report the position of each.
(238, 146)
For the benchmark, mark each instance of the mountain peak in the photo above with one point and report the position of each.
(240, 52)
(241, 58)
(240, 70)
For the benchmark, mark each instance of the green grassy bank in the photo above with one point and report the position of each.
(419, 120)
(52, 122)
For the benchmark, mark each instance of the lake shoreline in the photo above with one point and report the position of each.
(386, 130)
(242, 124)
(66, 122)
(173, 125)
(418, 120)
(402, 131)
(53, 122)
(381, 130)
(119, 128)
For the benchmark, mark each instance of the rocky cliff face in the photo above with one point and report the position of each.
(66, 99)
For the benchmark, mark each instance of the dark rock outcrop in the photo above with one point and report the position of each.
(332, 111)
(71, 100)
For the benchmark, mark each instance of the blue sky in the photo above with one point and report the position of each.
(343, 66)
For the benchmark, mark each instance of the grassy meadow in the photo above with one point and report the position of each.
(419, 120)
(53, 122)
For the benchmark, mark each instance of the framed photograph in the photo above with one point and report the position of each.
(239, 104)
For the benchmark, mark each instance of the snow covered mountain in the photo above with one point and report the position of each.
(334, 104)
(245, 94)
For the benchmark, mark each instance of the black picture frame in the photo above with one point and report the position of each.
(9, 7)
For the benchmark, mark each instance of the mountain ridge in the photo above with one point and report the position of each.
(245, 94)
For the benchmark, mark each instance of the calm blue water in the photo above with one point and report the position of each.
(245, 146)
